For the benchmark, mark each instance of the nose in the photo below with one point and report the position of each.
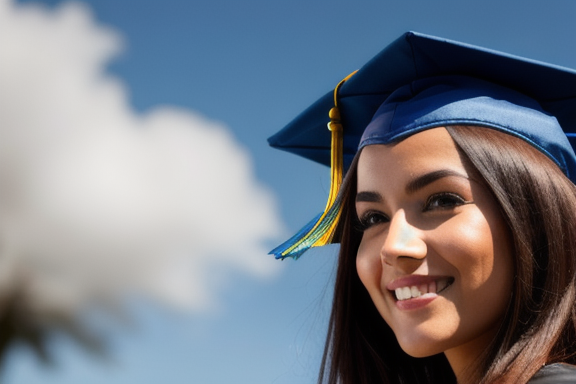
(404, 246)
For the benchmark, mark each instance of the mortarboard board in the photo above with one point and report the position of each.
(420, 82)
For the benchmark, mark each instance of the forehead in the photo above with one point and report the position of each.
(421, 153)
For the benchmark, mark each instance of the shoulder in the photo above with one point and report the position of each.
(555, 374)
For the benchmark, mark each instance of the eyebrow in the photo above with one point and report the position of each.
(413, 186)
(369, 197)
(428, 178)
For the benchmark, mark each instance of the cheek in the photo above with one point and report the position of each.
(482, 256)
(502, 263)
(368, 266)
(474, 253)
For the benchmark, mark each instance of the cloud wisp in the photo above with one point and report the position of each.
(98, 201)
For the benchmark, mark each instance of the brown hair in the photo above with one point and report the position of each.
(539, 205)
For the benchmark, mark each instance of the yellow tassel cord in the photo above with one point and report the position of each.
(336, 173)
(320, 231)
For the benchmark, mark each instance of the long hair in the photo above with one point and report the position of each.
(538, 203)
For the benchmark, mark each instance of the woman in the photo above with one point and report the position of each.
(457, 217)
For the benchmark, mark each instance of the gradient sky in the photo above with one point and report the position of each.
(252, 65)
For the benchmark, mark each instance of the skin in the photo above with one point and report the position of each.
(449, 226)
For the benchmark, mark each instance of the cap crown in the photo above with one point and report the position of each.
(414, 57)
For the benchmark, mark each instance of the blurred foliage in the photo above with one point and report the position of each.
(22, 323)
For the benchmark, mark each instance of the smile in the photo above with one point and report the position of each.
(422, 289)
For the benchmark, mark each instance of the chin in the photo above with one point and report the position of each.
(419, 347)
(420, 352)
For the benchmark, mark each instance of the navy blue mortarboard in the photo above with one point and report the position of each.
(420, 82)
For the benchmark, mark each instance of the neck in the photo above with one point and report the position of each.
(464, 359)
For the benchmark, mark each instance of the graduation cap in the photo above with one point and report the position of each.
(420, 82)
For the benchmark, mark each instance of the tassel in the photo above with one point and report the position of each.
(320, 231)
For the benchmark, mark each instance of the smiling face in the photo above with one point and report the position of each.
(435, 255)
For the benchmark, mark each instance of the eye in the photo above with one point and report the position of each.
(444, 200)
(370, 219)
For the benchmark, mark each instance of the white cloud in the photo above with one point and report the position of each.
(97, 200)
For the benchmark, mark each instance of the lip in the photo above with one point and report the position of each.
(415, 303)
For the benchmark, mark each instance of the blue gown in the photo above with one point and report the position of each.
(555, 374)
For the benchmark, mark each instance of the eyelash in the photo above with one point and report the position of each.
(364, 222)
(371, 218)
(454, 200)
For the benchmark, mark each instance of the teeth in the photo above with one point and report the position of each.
(423, 288)
(432, 287)
(405, 293)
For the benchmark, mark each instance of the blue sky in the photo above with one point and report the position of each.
(251, 66)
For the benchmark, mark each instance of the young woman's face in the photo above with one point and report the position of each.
(435, 254)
